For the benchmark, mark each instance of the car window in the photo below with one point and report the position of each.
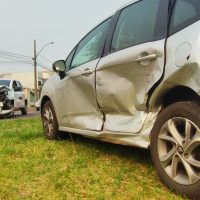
(14, 85)
(5, 82)
(185, 13)
(90, 48)
(69, 58)
(19, 86)
(136, 24)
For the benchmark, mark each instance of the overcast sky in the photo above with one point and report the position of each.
(63, 22)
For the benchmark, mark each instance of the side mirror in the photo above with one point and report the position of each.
(60, 68)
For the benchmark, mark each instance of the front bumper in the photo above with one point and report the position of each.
(5, 112)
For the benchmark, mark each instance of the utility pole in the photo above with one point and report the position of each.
(35, 67)
(35, 71)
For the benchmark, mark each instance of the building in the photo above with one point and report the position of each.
(27, 80)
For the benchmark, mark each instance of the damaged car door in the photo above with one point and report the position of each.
(134, 62)
(76, 93)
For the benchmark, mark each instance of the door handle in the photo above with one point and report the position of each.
(87, 72)
(146, 58)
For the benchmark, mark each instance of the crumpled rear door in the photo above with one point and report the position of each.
(134, 63)
(123, 84)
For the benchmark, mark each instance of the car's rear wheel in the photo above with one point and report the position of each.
(50, 123)
(175, 148)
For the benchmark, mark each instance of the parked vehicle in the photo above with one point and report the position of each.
(135, 80)
(37, 105)
(12, 97)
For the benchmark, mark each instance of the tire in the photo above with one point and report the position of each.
(175, 144)
(24, 110)
(50, 123)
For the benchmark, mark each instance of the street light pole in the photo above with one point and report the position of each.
(35, 67)
(35, 71)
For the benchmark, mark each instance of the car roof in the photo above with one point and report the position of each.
(127, 4)
(6, 79)
(120, 8)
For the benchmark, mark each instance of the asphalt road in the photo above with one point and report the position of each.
(29, 115)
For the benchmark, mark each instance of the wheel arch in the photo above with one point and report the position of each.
(43, 101)
(179, 94)
(166, 97)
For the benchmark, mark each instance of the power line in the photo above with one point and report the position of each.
(45, 59)
(44, 68)
(25, 62)
(13, 58)
(6, 57)
(13, 62)
(14, 54)
(40, 65)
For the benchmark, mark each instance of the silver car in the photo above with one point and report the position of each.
(135, 80)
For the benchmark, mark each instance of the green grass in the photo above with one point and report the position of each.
(32, 167)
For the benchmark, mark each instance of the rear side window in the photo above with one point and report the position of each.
(90, 48)
(185, 13)
(136, 24)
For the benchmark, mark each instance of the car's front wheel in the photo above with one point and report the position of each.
(175, 148)
(24, 110)
(49, 121)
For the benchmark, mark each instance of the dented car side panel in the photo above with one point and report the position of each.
(141, 140)
(114, 102)
(182, 64)
(76, 99)
(123, 83)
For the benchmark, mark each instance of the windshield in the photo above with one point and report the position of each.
(5, 82)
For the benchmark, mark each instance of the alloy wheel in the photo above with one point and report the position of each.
(48, 120)
(179, 150)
